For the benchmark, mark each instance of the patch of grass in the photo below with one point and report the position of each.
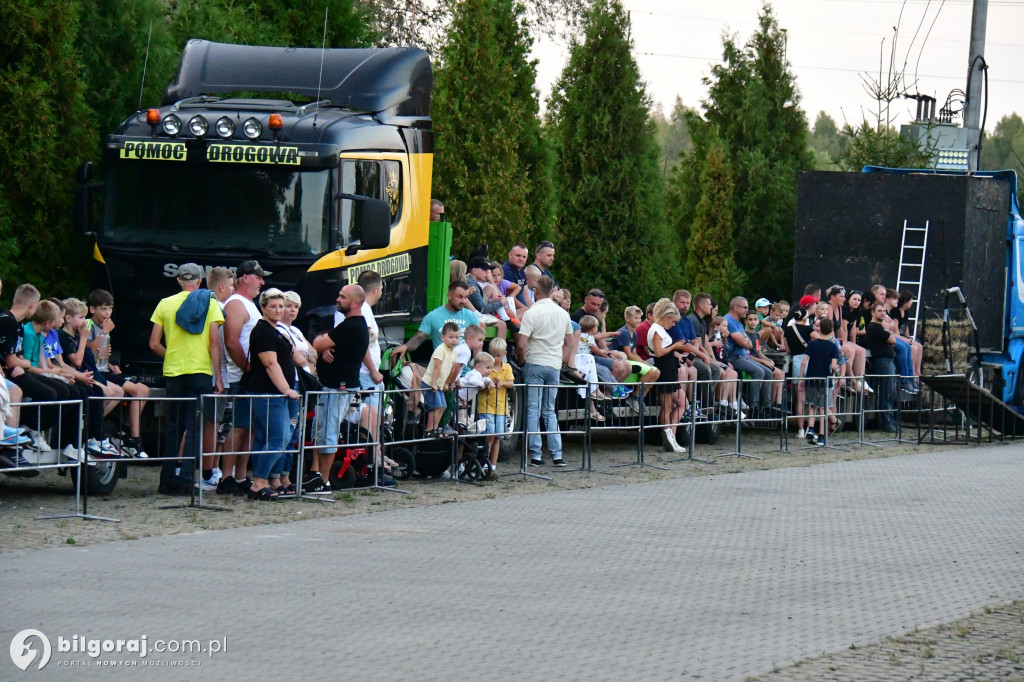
(69, 541)
(1007, 655)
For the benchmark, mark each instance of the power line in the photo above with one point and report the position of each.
(717, 60)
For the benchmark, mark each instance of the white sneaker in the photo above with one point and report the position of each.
(670, 437)
(216, 476)
(101, 449)
(800, 434)
(39, 441)
(205, 485)
(867, 388)
(73, 454)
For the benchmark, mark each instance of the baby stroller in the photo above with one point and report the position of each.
(430, 458)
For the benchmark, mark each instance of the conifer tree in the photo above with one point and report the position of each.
(611, 223)
(753, 102)
(490, 166)
(710, 252)
(49, 129)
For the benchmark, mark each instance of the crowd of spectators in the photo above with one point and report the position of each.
(236, 340)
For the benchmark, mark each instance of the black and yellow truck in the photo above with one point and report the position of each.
(317, 163)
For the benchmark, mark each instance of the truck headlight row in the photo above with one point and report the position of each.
(199, 126)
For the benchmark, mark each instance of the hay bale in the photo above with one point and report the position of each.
(960, 334)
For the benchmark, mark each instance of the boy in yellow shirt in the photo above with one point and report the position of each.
(438, 377)
(492, 404)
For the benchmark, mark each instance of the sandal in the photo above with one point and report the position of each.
(597, 416)
(262, 495)
(285, 491)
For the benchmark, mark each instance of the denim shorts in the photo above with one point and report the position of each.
(241, 408)
(434, 399)
(495, 423)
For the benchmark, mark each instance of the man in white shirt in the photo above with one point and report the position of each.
(544, 344)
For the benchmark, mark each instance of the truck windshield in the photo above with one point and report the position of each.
(255, 209)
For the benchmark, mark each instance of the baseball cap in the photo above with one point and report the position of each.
(762, 302)
(596, 292)
(808, 301)
(478, 262)
(251, 267)
(189, 272)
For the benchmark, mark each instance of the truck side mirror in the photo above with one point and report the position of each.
(371, 227)
(375, 224)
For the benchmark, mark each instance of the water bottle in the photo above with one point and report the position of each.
(103, 352)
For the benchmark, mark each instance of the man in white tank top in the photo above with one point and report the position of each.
(240, 316)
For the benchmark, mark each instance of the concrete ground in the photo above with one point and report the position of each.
(711, 578)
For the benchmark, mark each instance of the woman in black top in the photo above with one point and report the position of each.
(271, 371)
(796, 334)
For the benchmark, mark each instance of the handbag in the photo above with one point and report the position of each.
(308, 382)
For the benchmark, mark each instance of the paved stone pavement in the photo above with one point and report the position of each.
(715, 578)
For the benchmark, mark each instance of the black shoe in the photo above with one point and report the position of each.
(811, 437)
(242, 487)
(316, 486)
(227, 486)
(558, 462)
(537, 462)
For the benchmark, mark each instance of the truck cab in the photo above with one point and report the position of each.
(316, 163)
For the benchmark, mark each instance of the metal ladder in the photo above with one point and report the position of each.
(911, 272)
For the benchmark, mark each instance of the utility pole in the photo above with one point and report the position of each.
(975, 76)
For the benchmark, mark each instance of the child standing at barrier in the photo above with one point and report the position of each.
(822, 363)
(469, 387)
(492, 404)
(438, 376)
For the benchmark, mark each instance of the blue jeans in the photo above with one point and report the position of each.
(759, 390)
(331, 407)
(366, 383)
(886, 387)
(904, 363)
(270, 429)
(183, 419)
(541, 387)
(292, 440)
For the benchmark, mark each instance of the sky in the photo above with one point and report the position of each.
(831, 44)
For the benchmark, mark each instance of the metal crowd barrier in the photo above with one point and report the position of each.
(359, 428)
(634, 412)
(426, 455)
(23, 462)
(886, 389)
(572, 413)
(163, 409)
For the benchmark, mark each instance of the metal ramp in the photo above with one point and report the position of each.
(979, 406)
(913, 250)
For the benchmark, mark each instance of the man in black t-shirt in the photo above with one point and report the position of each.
(880, 342)
(341, 352)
